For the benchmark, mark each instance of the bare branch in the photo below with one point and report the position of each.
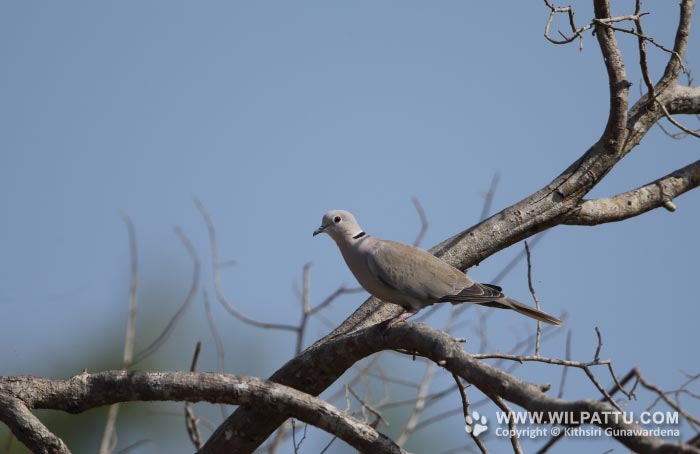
(517, 259)
(615, 130)
(305, 307)
(370, 408)
(538, 333)
(163, 336)
(675, 123)
(297, 444)
(576, 31)
(511, 423)
(419, 405)
(216, 267)
(342, 290)
(133, 286)
(640, 36)
(191, 420)
(86, 391)
(27, 427)
(675, 63)
(108, 435)
(596, 357)
(565, 369)
(340, 352)
(217, 342)
(489, 196)
(694, 422)
(637, 201)
(214, 332)
(465, 412)
(641, 45)
(423, 221)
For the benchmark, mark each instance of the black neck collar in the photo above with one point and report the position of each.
(359, 235)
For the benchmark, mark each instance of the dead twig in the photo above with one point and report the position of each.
(109, 439)
(538, 333)
(191, 422)
(465, 412)
(163, 336)
(216, 269)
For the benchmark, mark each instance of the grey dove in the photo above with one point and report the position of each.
(409, 276)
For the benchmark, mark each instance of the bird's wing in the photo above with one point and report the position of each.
(477, 293)
(414, 272)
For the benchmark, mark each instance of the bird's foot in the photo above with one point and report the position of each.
(387, 324)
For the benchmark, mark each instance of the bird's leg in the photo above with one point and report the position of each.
(399, 318)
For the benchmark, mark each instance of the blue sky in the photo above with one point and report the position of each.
(273, 113)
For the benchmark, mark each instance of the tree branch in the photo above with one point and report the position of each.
(27, 427)
(675, 62)
(617, 78)
(659, 193)
(339, 353)
(85, 391)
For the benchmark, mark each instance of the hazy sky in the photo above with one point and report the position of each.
(273, 113)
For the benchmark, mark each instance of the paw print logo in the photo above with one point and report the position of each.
(476, 424)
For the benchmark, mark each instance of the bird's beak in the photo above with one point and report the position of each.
(320, 230)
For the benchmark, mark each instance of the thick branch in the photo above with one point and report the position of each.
(87, 391)
(617, 78)
(339, 353)
(684, 100)
(656, 194)
(27, 427)
(675, 61)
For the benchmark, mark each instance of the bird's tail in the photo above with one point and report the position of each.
(517, 306)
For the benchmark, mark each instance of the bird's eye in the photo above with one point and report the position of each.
(336, 219)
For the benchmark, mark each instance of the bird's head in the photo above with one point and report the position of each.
(339, 225)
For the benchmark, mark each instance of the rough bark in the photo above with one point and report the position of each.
(85, 391)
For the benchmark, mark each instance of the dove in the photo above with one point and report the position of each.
(409, 276)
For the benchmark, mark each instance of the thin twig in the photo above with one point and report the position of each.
(217, 342)
(191, 421)
(365, 405)
(419, 405)
(596, 357)
(163, 336)
(607, 23)
(342, 290)
(565, 369)
(517, 259)
(278, 438)
(305, 307)
(673, 121)
(694, 422)
(586, 367)
(465, 411)
(325, 449)
(108, 440)
(136, 444)
(577, 32)
(618, 386)
(538, 333)
(511, 423)
(133, 286)
(216, 269)
(642, 50)
(489, 196)
(423, 221)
